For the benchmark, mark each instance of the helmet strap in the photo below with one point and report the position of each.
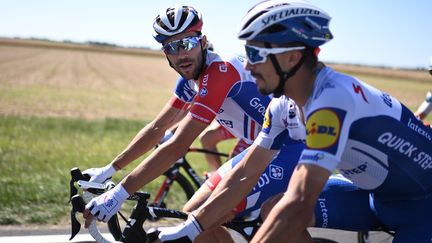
(203, 63)
(284, 76)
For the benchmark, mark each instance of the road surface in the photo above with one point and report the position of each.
(61, 234)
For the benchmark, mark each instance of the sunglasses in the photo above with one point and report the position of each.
(257, 55)
(187, 44)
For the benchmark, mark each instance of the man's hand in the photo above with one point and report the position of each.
(100, 175)
(186, 232)
(105, 205)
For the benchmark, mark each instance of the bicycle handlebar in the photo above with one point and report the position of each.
(134, 230)
(78, 202)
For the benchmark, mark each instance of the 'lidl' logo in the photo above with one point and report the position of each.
(322, 129)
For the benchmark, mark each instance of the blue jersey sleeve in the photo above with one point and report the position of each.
(185, 90)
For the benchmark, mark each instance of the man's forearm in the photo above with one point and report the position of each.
(276, 227)
(153, 166)
(225, 197)
(145, 140)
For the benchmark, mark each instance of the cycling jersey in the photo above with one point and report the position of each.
(376, 142)
(289, 133)
(282, 118)
(226, 92)
(368, 135)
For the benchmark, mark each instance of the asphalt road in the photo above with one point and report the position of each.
(61, 234)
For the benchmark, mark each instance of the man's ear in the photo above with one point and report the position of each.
(204, 41)
(292, 58)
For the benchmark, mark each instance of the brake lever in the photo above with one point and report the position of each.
(72, 190)
(76, 226)
(78, 205)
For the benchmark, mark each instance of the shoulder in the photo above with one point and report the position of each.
(185, 89)
(332, 89)
(225, 64)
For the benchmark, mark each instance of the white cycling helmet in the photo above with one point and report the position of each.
(173, 21)
(282, 22)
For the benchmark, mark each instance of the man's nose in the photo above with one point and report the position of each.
(249, 66)
(182, 52)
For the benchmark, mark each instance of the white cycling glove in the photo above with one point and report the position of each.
(108, 204)
(185, 232)
(100, 175)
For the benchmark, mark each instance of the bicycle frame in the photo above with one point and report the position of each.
(172, 173)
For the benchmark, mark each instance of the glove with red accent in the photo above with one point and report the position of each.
(185, 232)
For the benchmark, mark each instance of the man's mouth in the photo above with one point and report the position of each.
(186, 66)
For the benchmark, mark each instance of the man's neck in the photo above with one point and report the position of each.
(301, 86)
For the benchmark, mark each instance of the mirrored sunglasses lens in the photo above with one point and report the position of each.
(171, 47)
(253, 55)
(186, 43)
(190, 43)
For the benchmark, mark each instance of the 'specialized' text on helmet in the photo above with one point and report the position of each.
(282, 22)
(173, 21)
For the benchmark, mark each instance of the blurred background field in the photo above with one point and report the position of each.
(63, 106)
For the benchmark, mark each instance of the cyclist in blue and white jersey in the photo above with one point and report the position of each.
(367, 134)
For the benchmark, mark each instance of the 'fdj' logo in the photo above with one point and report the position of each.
(203, 92)
(322, 129)
(276, 172)
(109, 203)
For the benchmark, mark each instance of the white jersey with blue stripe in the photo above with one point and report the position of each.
(282, 119)
(369, 136)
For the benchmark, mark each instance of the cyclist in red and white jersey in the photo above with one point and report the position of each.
(215, 86)
(426, 106)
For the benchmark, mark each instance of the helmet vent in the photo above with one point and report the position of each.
(274, 29)
(246, 35)
(253, 19)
